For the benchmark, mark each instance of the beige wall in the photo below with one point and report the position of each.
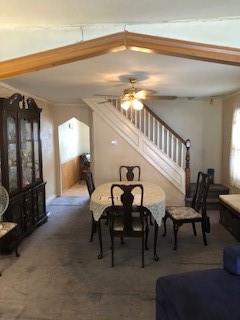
(62, 113)
(229, 104)
(200, 121)
(48, 150)
(108, 158)
(197, 120)
(74, 139)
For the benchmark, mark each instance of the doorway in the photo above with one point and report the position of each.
(74, 142)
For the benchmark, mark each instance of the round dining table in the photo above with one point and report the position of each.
(153, 201)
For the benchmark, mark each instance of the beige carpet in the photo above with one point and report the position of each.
(58, 276)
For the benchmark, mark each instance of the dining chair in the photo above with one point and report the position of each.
(128, 171)
(7, 228)
(122, 221)
(194, 214)
(91, 187)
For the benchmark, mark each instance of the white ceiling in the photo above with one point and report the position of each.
(75, 12)
(108, 74)
(28, 26)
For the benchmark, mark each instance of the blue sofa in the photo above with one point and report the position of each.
(202, 295)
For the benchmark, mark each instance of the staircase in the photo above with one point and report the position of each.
(160, 145)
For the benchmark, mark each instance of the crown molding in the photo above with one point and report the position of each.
(25, 93)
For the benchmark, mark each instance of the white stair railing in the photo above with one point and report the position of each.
(160, 134)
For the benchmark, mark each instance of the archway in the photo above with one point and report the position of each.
(74, 142)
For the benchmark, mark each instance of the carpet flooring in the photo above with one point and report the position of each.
(58, 276)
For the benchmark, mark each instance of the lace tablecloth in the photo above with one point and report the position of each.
(153, 199)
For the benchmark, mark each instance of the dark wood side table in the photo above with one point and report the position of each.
(215, 190)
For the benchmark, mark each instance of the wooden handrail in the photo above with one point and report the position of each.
(164, 124)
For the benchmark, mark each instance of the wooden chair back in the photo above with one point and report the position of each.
(127, 207)
(129, 172)
(89, 182)
(201, 192)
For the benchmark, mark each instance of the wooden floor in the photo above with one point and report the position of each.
(77, 190)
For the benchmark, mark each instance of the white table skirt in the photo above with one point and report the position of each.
(153, 199)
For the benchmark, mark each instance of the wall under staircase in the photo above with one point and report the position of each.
(141, 137)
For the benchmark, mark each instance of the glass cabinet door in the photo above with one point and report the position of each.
(26, 152)
(12, 154)
(36, 150)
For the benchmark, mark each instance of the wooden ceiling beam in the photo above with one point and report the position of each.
(59, 56)
(183, 49)
(117, 42)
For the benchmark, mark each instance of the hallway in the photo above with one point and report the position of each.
(77, 190)
(58, 276)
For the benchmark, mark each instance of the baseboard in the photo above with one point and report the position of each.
(50, 199)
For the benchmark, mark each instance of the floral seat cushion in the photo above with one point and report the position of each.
(6, 227)
(179, 213)
(136, 224)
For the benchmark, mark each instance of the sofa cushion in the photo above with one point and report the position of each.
(232, 200)
(200, 295)
(231, 259)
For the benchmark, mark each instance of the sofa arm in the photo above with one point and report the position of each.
(231, 259)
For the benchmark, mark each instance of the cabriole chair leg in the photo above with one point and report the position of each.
(156, 258)
(93, 229)
(194, 229)
(112, 247)
(100, 239)
(204, 235)
(16, 252)
(175, 232)
(164, 219)
(146, 238)
(143, 243)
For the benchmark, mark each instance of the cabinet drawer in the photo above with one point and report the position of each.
(231, 222)
(28, 211)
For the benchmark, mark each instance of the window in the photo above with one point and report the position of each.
(235, 150)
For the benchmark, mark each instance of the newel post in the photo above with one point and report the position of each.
(187, 168)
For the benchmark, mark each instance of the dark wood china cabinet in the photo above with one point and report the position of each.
(21, 164)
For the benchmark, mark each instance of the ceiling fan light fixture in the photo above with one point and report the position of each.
(137, 105)
(125, 104)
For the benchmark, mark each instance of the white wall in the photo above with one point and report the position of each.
(201, 122)
(107, 158)
(74, 139)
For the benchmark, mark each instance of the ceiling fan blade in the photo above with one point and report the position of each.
(102, 102)
(110, 96)
(152, 97)
(141, 94)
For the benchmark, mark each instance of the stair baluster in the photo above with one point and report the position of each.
(161, 135)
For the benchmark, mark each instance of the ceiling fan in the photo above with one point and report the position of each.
(133, 96)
